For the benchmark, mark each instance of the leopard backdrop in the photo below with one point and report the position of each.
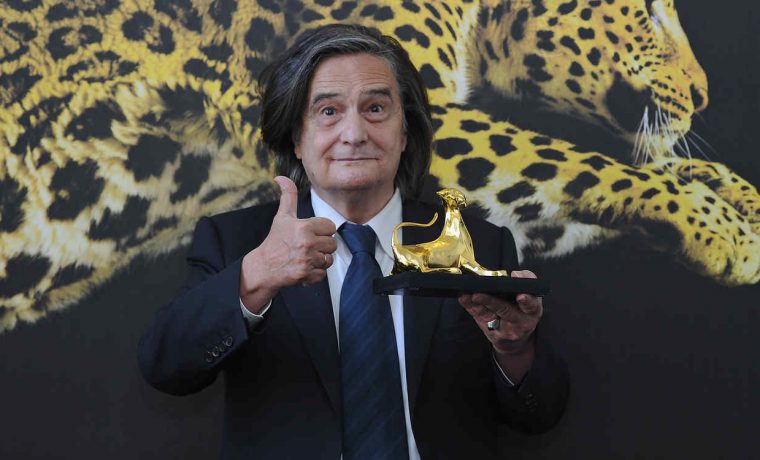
(124, 121)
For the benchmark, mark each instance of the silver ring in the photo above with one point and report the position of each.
(493, 324)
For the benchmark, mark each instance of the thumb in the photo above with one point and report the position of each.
(289, 197)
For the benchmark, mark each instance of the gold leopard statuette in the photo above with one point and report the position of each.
(451, 252)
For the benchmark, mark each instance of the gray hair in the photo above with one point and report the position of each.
(284, 89)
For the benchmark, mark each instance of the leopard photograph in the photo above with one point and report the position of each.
(122, 122)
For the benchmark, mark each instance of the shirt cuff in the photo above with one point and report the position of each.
(501, 371)
(252, 319)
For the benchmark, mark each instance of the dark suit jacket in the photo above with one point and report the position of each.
(282, 395)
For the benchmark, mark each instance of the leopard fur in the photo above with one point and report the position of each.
(123, 122)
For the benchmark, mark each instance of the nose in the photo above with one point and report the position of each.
(699, 98)
(353, 129)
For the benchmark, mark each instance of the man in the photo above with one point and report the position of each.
(278, 296)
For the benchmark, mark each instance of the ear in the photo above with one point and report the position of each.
(297, 150)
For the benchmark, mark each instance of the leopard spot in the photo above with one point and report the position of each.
(597, 162)
(95, 122)
(622, 184)
(529, 212)
(70, 274)
(141, 27)
(22, 273)
(219, 52)
(258, 32)
(649, 193)
(433, 27)
(573, 86)
(547, 236)
(594, 56)
(190, 176)
(501, 145)
(538, 8)
(474, 172)
(472, 126)
(182, 11)
(12, 198)
(671, 187)
(517, 31)
(150, 155)
(576, 69)
(407, 33)
(452, 146)
(221, 12)
(430, 76)
(540, 140)
(540, 171)
(14, 86)
(585, 33)
(637, 174)
(75, 187)
(60, 12)
(118, 225)
(569, 43)
(567, 8)
(580, 184)
(545, 40)
(23, 5)
(270, 5)
(551, 154)
(522, 189)
(344, 11)
(410, 6)
(536, 67)
(66, 41)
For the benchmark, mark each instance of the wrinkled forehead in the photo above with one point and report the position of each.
(342, 75)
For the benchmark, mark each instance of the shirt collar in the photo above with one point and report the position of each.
(382, 223)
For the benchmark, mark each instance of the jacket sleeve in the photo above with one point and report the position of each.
(536, 404)
(185, 346)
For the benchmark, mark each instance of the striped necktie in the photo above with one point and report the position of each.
(373, 408)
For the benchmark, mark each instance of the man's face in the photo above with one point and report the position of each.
(352, 134)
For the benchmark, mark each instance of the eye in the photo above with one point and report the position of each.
(329, 111)
(376, 108)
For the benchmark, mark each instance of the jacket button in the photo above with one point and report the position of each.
(228, 341)
(215, 351)
(209, 357)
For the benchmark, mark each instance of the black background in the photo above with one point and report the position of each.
(664, 363)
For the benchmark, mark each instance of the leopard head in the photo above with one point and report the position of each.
(452, 198)
(626, 65)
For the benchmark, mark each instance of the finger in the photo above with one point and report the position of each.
(529, 304)
(321, 260)
(523, 274)
(321, 226)
(326, 244)
(289, 196)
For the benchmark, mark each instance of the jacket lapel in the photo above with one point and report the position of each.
(420, 313)
(312, 312)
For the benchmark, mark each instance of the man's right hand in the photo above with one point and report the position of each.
(296, 251)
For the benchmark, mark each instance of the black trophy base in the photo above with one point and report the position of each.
(451, 285)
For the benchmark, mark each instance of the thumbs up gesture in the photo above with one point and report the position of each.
(296, 251)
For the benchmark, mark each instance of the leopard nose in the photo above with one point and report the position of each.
(699, 97)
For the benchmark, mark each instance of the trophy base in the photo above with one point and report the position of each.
(451, 285)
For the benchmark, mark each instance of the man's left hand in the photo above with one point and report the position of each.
(513, 324)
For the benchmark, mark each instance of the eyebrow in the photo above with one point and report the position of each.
(371, 92)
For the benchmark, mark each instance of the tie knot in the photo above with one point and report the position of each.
(358, 238)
